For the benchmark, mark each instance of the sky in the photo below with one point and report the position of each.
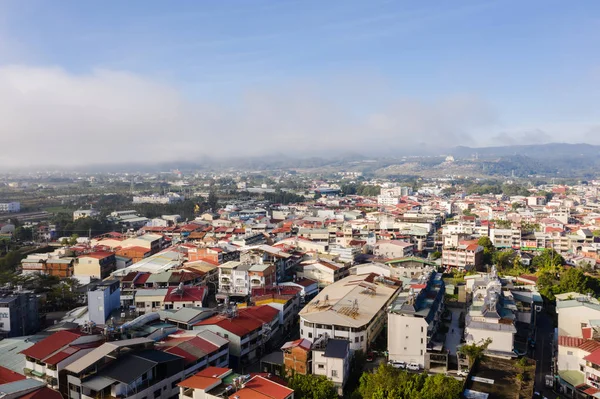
(147, 81)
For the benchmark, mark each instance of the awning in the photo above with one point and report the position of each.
(572, 377)
(98, 383)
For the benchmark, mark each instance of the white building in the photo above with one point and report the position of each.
(413, 320)
(10, 207)
(169, 198)
(353, 308)
(393, 249)
(491, 315)
(331, 358)
(85, 213)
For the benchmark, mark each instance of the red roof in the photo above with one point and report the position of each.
(248, 320)
(142, 277)
(62, 355)
(43, 393)
(189, 294)
(571, 342)
(53, 343)
(305, 282)
(591, 391)
(260, 385)
(213, 372)
(7, 376)
(589, 346)
(302, 343)
(593, 357)
(198, 382)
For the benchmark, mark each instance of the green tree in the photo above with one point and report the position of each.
(23, 234)
(436, 255)
(312, 386)
(502, 259)
(549, 259)
(474, 351)
(488, 249)
(73, 239)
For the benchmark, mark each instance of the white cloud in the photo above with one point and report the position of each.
(51, 117)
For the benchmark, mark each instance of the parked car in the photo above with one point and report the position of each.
(370, 357)
(462, 373)
(397, 364)
(413, 367)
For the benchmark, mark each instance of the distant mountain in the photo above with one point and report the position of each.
(539, 151)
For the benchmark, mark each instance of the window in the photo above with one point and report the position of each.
(407, 337)
(226, 335)
(407, 326)
(356, 339)
(309, 335)
(421, 340)
(334, 373)
(157, 393)
(581, 368)
(362, 338)
(321, 366)
(405, 348)
(421, 328)
(301, 331)
(421, 352)
(570, 353)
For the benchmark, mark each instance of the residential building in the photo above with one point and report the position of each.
(353, 308)
(19, 314)
(285, 299)
(46, 359)
(234, 279)
(491, 315)
(467, 256)
(248, 331)
(391, 249)
(308, 288)
(10, 207)
(150, 300)
(129, 369)
(182, 296)
(169, 198)
(95, 265)
(409, 267)
(413, 321)
(219, 383)
(85, 213)
(323, 271)
(103, 299)
(331, 358)
(297, 356)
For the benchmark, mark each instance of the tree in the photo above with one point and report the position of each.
(23, 234)
(474, 351)
(436, 255)
(213, 201)
(488, 249)
(312, 386)
(390, 383)
(548, 259)
(73, 239)
(502, 259)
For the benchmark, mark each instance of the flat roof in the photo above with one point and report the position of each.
(97, 354)
(335, 303)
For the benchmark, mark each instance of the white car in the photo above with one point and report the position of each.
(462, 373)
(413, 367)
(397, 364)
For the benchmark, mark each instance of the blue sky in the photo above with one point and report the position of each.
(491, 71)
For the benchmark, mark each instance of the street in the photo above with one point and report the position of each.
(543, 353)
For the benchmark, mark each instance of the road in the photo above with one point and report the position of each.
(543, 353)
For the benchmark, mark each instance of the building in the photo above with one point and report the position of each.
(331, 358)
(182, 297)
(130, 369)
(169, 198)
(220, 383)
(95, 265)
(19, 314)
(391, 249)
(467, 256)
(16, 386)
(578, 344)
(150, 300)
(324, 272)
(234, 279)
(297, 355)
(413, 321)
(409, 267)
(103, 299)
(61, 267)
(85, 213)
(248, 330)
(491, 315)
(46, 359)
(285, 299)
(353, 308)
(10, 207)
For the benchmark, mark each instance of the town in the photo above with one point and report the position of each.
(288, 286)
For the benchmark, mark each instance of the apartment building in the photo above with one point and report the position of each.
(45, 360)
(234, 279)
(95, 265)
(248, 331)
(468, 255)
(323, 271)
(19, 314)
(150, 300)
(130, 369)
(391, 249)
(413, 321)
(492, 314)
(103, 299)
(331, 358)
(10, 207)
(219, 383)
(353, 308)
(505, 238)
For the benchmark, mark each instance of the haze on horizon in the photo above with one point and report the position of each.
(153, 81)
